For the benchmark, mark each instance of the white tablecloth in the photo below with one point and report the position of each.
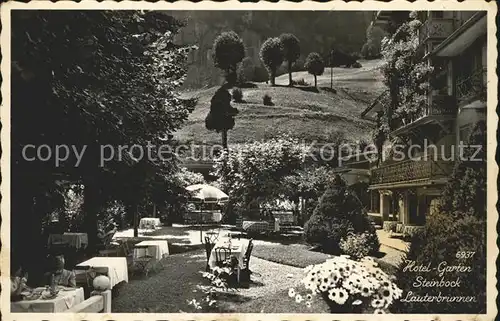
(238, 250)
(77, 240)
(149, 222)
(62, 302)
(155, 248)
(114, 267)
(256, 226)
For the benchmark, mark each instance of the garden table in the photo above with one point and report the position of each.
(149, 222)
(76, 240)
(115, 268)
(238, 250)
(64, 300)
(256, 226)
(154, 248)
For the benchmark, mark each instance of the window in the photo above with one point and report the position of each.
(374, 202)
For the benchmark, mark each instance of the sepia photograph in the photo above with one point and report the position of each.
(180, 161)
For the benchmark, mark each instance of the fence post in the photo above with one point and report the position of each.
(106, 296)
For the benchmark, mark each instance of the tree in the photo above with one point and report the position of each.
(221, 115)
(271, 54)
(291, 51)
(315, 66)
(108, 78)
(229, 51)
(338, 213)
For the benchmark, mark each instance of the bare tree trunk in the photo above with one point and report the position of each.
(273, 77)
(136, 220)
(315, 82)
(290, 74)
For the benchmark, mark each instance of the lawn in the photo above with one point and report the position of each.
(297, 255)
(312, 115)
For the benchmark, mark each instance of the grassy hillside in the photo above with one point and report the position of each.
(305, 114)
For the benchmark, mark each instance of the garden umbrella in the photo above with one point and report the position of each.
(207, 194)
(204, 193)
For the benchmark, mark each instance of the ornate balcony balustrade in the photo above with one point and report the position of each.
(439, 105)
(471, 86)
(436, 28)
(411, 170)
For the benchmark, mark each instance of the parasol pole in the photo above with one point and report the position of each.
(201, 219)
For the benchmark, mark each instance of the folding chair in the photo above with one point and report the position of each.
(222, 254)
(144, 262)
(246, 262)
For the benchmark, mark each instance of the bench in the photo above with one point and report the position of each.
(98, 303)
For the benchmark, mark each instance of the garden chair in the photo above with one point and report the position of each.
(222, 254)
(208, 250)
(245, 272)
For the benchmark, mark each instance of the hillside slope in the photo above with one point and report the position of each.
(312, 116)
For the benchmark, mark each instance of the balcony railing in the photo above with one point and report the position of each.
(411, 170)
(439, 105)
(471, 86)
(436, 28)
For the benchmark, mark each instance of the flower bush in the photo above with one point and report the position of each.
(348, 286)
(355, 245)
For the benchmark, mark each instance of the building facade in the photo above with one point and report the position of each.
(404, 192)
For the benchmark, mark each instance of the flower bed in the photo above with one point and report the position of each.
(348, 286)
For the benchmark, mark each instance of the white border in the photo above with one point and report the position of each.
(369, 5)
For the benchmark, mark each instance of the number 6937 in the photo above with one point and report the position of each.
(464, 254)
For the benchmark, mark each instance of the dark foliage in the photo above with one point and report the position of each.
(237, 94)
(458, 226)
(229, 51)
(337, 214)
(221, 115)
(271, 54)
(91, 78)
(267, 100)
(291, 52)
(315, 66)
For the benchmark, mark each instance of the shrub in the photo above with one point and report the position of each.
(355, 245)
(267, 100)
(356, 65)
(237, 94)
(338, 214)
(300, 82)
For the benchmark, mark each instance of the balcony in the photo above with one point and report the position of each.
(440, 107)
(471, 86)
(412, 171)
(436, 29)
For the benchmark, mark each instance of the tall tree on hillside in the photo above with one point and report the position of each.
(291, 51)
(229, 51)
(111, 82)
(221, 115)
(315, 66)
(271, 54)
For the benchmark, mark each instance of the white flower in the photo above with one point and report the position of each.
(357, 302)
(379, 311)
(308, 304)
(378, 302)
(309, 296)
(291, 292)
(211, 303)
(298, 298)
(342, 296)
